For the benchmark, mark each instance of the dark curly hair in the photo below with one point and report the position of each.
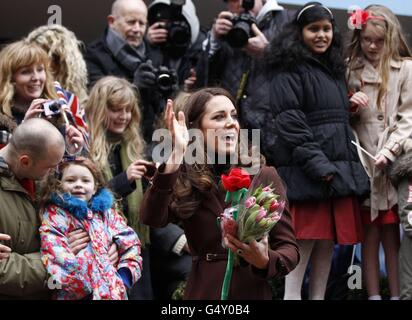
(288, 49)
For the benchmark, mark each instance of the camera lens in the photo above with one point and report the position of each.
(164, 80)
(237, 37)
(179, 34)
(55, 106)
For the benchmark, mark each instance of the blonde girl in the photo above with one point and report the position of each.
(117, 148)
(380, 77)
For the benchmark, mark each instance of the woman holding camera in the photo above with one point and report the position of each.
(26, 86)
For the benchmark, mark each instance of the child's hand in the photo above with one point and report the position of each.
(78, 240)
(74, 139)
(113, 255)
(137, 170)
(359, 99)
(381, 162)
(4, 250)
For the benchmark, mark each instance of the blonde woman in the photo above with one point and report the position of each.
(117, 148)
(26, 84)
(66, 60)
(380, 77)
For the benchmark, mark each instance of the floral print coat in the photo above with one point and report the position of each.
(89, 274)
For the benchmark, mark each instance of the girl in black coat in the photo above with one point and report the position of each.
(314, 154)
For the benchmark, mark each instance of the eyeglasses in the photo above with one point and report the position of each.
(368, 42)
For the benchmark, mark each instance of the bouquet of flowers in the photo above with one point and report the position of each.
(255, 210)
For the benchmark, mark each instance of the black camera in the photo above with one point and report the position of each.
(179, 33)
(52, 108)
(166, 79)
(239, 35)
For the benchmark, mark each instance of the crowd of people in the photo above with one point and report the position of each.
(86, 210)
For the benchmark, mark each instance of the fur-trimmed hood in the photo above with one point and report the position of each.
(101, 201)
(401, 168)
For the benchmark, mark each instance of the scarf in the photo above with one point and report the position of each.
(100, 202)
(133, 200)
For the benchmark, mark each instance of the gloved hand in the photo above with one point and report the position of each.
(144, 76)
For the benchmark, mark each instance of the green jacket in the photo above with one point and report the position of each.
(22, 276)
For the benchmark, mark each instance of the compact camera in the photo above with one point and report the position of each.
(52, 108)
(239, 35)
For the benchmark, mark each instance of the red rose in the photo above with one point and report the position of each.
(236, 180)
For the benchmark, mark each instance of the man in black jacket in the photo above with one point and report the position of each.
(238, 70)
(122, 52)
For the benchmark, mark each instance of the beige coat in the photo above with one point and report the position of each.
(385, 131)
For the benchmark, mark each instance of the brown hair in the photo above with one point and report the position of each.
(52, 183)
(197, 179)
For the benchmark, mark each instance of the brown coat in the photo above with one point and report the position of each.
(204, 239)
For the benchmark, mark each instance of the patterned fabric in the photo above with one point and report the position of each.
(77, 114)
(89, 274)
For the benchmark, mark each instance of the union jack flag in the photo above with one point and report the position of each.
(76, 115)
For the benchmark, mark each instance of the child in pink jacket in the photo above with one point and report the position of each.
(74, 199)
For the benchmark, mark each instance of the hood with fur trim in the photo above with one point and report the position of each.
(401, 168)
(189, 13)
(270, 5)
(100, 202)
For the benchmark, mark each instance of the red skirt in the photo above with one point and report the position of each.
(335, 219)
(385, 217)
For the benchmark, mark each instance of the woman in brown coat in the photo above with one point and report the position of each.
(193, 194)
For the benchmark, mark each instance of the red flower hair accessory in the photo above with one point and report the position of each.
(360, 17)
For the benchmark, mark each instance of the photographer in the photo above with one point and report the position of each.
(175, 38)
(236, 67)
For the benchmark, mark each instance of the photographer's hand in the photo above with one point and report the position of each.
(144, 76)
(35, 109)
(157, 33)
(256, 45)
(223, 24)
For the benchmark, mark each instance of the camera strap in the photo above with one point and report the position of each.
(242, 86)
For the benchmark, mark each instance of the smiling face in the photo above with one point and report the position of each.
(318, 36)
(119, 118)
(29, 82)
(78, 181)
(220, 126)
(372, 40)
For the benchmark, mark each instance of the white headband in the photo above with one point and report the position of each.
(311, 6)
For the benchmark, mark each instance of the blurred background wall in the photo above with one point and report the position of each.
(87, 18)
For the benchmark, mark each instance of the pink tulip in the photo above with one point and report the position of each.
(250, 202)
(261, 214)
